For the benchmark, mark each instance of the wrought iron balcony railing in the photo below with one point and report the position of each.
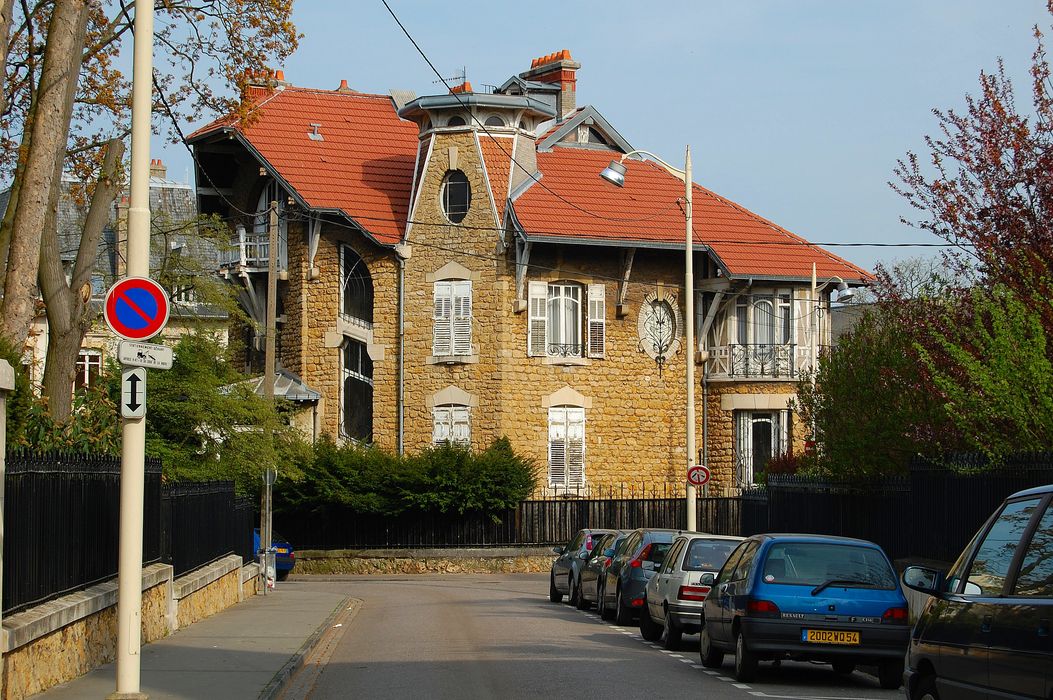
(757, 361)
(565, 350)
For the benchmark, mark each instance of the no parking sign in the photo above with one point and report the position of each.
(136, 308)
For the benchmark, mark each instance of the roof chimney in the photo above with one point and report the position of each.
(158, 169)
(558, 68)
(462, 88)
(344, 87)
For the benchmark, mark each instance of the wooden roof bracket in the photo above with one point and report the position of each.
(523, 248)
(622, 309)
(314, 233)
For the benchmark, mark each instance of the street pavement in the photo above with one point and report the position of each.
(238, 654)
(498, 636)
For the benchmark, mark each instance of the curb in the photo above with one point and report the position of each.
(277, 684)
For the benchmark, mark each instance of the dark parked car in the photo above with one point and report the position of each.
(596, 567)
(986, 632)
(565, 578)
(810, 598)
(284, 556)
(634, 563)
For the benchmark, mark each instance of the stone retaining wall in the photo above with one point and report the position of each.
(516, 561)
(65, 638)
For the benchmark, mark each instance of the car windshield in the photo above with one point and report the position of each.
(708, 555)
(819, 563)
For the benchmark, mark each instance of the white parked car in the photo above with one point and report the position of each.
(674, 595)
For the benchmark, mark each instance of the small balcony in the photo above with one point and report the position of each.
(251, 251)
(762, 361)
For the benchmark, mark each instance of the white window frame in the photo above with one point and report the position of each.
(550, 303)
(566, 447)
(452, 318)
(780, 440)
(88, 360)
(779, 321)
(452, 423)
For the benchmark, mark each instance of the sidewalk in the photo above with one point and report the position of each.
(233, 655)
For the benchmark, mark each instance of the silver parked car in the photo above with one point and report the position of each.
(674, 595)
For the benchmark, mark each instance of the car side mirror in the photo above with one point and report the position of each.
(608, 552)
(972, 589)
(923, 580)
(558, 550)
(583, 555)
(707, 579)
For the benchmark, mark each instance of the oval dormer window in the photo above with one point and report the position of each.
(456, 121)
(456, 196)
(494, 121)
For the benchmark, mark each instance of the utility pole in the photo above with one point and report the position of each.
(7, 383)
(269, 368)
(133, 430)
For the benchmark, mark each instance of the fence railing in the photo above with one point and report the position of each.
(61, 524)
(61, 516)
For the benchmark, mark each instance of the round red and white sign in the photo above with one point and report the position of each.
(698, 475)
(136, 308)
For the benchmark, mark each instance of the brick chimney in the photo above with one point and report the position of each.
(158, 169)
(558, 68)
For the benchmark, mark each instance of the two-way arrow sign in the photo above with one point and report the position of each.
(133, 392)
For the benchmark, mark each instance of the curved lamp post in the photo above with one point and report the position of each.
(615, 173)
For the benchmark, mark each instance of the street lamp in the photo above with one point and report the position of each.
(615, 173)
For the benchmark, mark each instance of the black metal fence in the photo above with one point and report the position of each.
(61, 520)
(205, 521)
(61, 524)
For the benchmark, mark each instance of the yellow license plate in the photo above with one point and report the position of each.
(829, 637)
(281, 550)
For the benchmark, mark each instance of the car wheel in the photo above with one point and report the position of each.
(622, 615)
(605, 612)
(925, 689)
(573, 592)
(281, 575)
(890, 674)
(745, 660)
(673, 633)
(583, 604)
(710, 656)
(649, 629)
(844, 667)
(553, 593)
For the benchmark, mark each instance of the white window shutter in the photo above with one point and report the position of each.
(441, 429)
(557, 447)
(460, 426)
(537, 333)
(575, 446)
(442, 337)
(462, 317)
(597, 321)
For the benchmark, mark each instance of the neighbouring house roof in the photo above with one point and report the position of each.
(287, 386)
(362, 166)
(573, 203)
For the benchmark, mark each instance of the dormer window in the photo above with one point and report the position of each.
(456, 196)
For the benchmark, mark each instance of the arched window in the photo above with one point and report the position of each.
(356, 287)
(356, 392)
(494, 121)
(456, 121)
(565, 320)
(456, 196)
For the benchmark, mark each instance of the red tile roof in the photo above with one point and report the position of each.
(497, 156)
(648, 210)
(363, 167)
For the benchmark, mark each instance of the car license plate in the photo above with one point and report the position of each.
(281, 550)
(829, 637)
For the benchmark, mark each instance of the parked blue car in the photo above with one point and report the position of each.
(284, 556)
(809, 598)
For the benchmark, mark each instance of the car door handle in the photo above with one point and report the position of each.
(985, 626)
(1043, 628)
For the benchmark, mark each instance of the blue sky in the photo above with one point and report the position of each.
(797, 110)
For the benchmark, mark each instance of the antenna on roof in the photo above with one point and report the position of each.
(457, 79)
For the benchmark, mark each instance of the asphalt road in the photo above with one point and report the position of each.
(498, 636)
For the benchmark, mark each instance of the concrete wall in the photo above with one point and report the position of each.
(65, 638)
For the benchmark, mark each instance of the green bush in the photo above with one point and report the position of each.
(445, 479)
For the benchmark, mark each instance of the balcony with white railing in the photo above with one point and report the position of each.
(252, 251)
(758, 361)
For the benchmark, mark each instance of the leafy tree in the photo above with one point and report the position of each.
(996, 385)
(67, 112)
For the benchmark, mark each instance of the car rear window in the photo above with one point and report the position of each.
(816, 563)
(708, 555)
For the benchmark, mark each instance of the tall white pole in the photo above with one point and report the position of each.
(7, 383)
(689, 335)
(133, 430)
